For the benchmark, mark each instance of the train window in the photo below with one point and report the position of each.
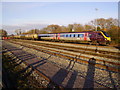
(48, 35)
(69, 35)
(80, 35)
(61, 35)
(66, 35)
(99, 34)
(74, 35)
(89, 35)
(105, 34)
(51, 35)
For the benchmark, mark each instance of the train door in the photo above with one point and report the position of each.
(100, 38)
(85, 36)
(54, 36)
(58, 36)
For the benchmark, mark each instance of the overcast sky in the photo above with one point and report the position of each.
(30, 15)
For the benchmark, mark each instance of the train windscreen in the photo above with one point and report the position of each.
(105, 34)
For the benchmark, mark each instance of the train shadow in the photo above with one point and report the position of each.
(59, 77)
(27, 72)
(24, 57)
(32, 66)
(62, 74)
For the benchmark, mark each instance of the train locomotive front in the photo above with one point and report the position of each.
(99, 37)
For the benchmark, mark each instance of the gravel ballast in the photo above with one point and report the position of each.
(64, 72)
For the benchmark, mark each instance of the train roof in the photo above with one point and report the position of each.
(63, 32)
(73, 32)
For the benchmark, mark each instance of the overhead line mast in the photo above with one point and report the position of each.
(96, 18)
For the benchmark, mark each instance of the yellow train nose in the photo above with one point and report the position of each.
(108, 38)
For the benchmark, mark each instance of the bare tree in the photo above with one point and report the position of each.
(105, 24)
(18, 31)
(3, 33)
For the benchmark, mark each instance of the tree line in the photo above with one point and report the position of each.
(109, 25)
(101, 23)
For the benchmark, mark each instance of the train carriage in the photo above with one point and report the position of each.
(31, 36)
(47, 36)
(89, 36)
(74, 36)
(99, 37)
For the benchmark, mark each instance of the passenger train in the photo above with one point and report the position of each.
(98, 37)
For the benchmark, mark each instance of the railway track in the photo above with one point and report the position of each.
(72, 55)
(100, 49)
(112, 62)
(87, 50)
